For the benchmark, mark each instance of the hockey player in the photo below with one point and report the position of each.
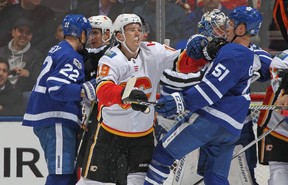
(225, 84)
(99, 43)
(54, 109)
(211, 25)
(273, 148)
(121, 129)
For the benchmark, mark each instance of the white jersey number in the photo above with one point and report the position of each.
(69, 68)
(220, 72)
(38, 88)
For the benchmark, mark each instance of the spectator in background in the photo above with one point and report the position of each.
(24, 60)
(58, 32)
(59, 35)
(3, 4)
(130, 5)
(183, 4)
(11, 101)
(43, 22)
(192, 19)
(110, 8)
(174, 16)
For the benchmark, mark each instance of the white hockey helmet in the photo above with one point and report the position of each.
(123, 20)
(102, 22)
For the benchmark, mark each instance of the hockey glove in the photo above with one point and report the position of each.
(210, 51)
(138, 96)
(195, 45)
(170, 104)
(89, 89)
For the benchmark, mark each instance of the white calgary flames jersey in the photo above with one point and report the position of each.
(148, 66)
(279, 62)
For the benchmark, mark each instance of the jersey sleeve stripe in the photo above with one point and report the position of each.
(215, 89)
(205, 96)
(58, 80)
(54, 88)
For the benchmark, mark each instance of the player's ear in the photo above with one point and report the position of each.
(120, 36)
(241, 29)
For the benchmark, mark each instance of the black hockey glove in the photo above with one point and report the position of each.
(212, 48)
(138, 96)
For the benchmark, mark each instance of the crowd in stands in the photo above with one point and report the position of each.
(29, 28)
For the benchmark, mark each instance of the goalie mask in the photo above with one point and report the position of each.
(212, 24)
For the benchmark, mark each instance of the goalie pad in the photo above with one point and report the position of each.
(239, 173)
(184, 172)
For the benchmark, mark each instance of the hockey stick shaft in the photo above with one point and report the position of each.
(267, 107)
(84, 123)
(249, 145)
(258, 139)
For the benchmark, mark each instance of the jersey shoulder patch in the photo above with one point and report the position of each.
(110, 54)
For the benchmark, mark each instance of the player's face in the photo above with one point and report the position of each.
(219, 31)
(3, 74)
(96, 38)
(230, 28)
(21, 37)
(133, 34)
(59, 35)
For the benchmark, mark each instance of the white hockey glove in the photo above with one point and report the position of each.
(170, 104)
(89, 89)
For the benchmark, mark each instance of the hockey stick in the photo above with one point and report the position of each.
(128, 89)
(249, 145)
(267, 107)
(84, 127)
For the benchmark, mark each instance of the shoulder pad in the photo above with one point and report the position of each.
(110, 54)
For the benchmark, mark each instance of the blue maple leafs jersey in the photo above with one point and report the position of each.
(223, 94)
(56, 94)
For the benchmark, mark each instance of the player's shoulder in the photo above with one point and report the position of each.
(234, 49)
(63, 53)
(155, 47)
(283, 56)
(113, 57)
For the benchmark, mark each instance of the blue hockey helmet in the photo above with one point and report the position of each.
(74, 25)
(251, 17)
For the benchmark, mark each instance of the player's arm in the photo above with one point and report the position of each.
(109, 93)
(265, 60)
(185, 64)
(66, 82)
(181, 81)
(216, 83)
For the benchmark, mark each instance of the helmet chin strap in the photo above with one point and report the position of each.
(83, 44)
